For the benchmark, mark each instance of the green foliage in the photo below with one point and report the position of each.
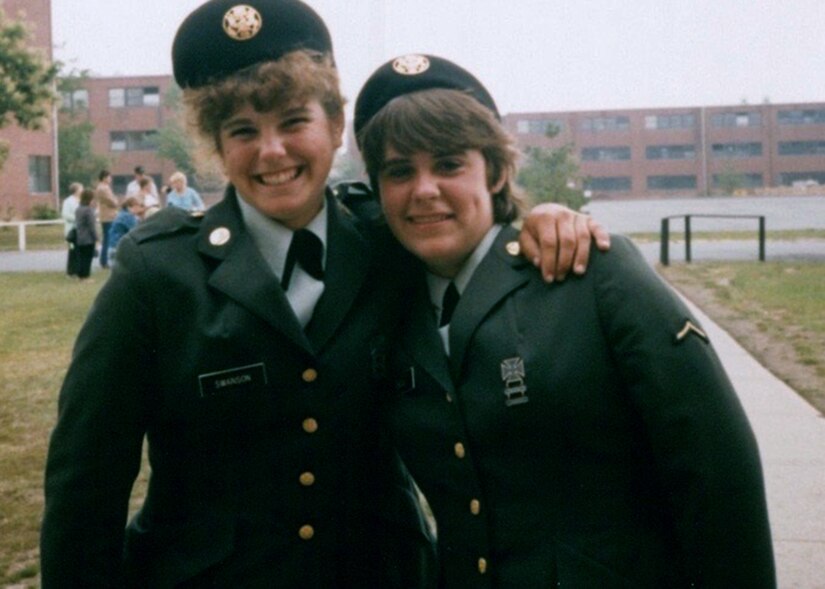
(76, 160)
(43, 212)
(552, 175)
(26, 78)
(175, 144)
(730, 180)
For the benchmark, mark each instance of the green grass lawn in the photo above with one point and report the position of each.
(775, 310)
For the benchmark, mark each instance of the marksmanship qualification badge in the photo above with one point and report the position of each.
(242, 22)
(512, 373)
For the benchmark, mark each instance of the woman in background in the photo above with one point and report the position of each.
(183, 196)
(67, 213)
(86, 226)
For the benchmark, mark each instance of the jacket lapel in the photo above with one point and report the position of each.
(347, 267)
(422, 342)
(241, 272)
(498, 274)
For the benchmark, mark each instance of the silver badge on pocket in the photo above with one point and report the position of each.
(512, 373)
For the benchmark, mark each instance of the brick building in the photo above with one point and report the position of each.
(686, 151)
(28, 177)
(126, 113)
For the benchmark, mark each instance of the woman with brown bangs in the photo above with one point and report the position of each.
(246, 344)
(582, 435)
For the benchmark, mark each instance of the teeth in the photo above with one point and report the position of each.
(429, 218)
(279, 177)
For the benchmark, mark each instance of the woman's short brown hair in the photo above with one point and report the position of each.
(297, 77)
(441, 121)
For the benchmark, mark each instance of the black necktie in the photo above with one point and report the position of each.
(307, 250)
(448, 304)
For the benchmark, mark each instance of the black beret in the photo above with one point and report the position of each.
(222, 37)
(413, 73)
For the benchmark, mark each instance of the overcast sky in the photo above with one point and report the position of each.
(533, 55)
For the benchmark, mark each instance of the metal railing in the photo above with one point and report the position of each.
(21, 229)
(664, 251)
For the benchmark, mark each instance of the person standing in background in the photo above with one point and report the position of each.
(127, 218)
(183, 196)
(107, 206)
(67, 213)
(133, 188)
(86, 226)
(150, 203)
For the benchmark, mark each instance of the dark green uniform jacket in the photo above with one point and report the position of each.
(267, 465)
(580, 435)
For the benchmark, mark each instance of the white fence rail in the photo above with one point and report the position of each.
(21, 229)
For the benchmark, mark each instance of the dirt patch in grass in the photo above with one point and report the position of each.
(779, 338)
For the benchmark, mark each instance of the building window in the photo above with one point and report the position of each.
(135, 96)
(736, 119)
(670, 152)
(674, 121)
(598, 124)
(736, 150)
(133, 140)
(40, 174)
(791, 178)
(542, 127)
(76, 100)
(608, 184)
(802, 148)
(671, 182)
(748, 180)
(801, 117)
(605, 154)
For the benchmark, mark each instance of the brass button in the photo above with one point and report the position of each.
(306, 532)
(459, 450)
(475, 506)
(310, 426)
(307, 479)
(482, 565)
(310, 375)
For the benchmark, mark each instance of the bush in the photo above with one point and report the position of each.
(43, 212)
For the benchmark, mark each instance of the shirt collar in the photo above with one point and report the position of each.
(273, 239)
(437, 285)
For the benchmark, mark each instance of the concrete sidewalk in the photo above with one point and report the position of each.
(790, 432)
(791, 436)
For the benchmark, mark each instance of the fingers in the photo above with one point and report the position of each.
(599, 233)
(582, 248)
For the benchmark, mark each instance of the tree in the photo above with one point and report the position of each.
(76, 161)
(26, 80)
(729, 180)
(552, 175)
(176, 144)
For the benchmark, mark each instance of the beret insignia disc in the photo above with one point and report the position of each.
(411, 65)
(242, 22)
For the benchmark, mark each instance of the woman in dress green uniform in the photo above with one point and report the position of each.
(575, 436)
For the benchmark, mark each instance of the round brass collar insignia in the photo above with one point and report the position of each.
(242, 22)
(411, 65)
(513, 248)
(220, 236)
